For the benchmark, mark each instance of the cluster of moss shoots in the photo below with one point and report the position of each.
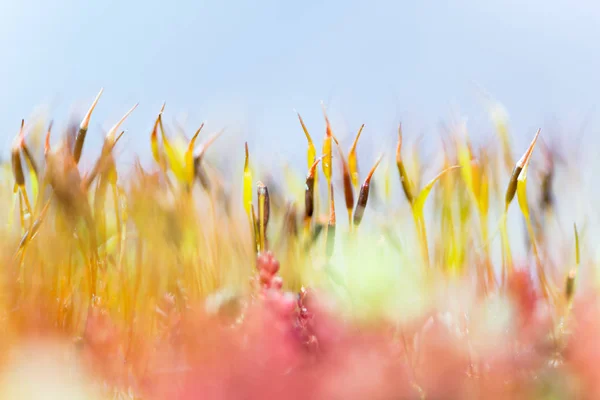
(93, 240)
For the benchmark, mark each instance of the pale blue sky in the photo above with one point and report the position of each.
(247, 64)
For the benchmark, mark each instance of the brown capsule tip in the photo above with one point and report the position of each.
(193, 140)
(355, 142)
(372, 171)
(399, 145)
(119, 136)
(20, 138)
(327, 124)
(198, 131)
(160, 113)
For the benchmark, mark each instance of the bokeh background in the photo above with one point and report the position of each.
(245, 65)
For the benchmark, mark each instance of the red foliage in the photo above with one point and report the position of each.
(522, 291)
(296, 346)
(583, 350)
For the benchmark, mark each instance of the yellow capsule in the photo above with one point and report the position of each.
(387, 184)
(404, 179)
(247, 188)
(189, 157)
(327, 149)
(352, 161)
(173, 155)
(327, 158)
(154, 138)
(311, 152)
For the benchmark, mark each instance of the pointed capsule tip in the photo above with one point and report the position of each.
(193, 140)
(355, 142)
(399, 148)
(86, 119)
(527, 156)
(47, 142)
(372, 171)
(20, 139)
(119, 136)
(113, 131)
